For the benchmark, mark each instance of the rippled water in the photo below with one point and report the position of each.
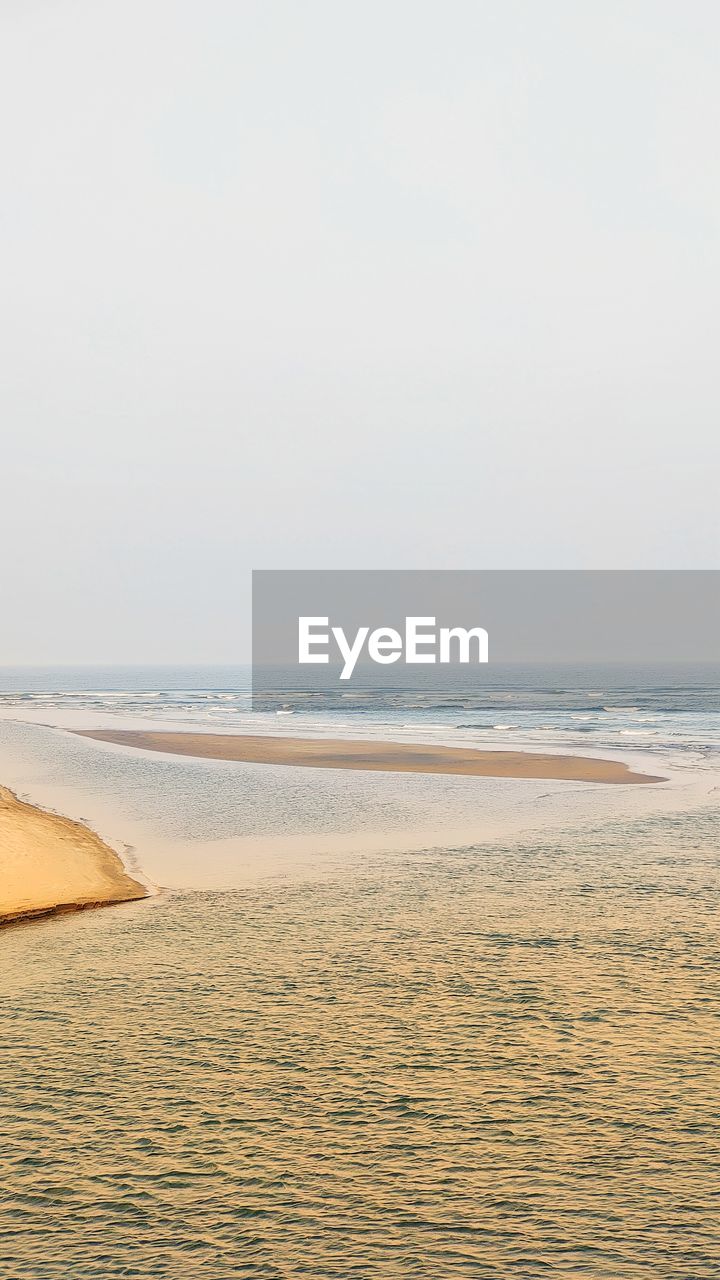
(485, 1062)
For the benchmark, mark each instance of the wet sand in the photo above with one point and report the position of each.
(50, 864)
(391, 757)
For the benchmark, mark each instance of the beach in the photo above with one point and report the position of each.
(51, 864)
(438, 1000)
(391, 757)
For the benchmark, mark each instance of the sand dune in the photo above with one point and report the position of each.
(50, 864)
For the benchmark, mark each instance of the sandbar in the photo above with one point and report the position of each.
(391, 757)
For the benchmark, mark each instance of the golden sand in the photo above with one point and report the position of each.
(391, 757)
(51, 864)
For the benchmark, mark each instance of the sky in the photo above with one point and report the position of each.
(321, 285)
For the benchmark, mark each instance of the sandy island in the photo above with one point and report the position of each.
(392, 757)
(50, 864)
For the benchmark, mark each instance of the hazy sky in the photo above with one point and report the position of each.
(326, 285)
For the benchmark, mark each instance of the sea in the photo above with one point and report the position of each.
(369, 1024)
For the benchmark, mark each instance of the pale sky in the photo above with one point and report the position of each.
(332, 285)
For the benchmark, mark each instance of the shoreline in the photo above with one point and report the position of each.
(369, 754)
(53, 865)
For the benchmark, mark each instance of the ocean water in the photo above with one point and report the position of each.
(392, 1056)
(670, 707)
